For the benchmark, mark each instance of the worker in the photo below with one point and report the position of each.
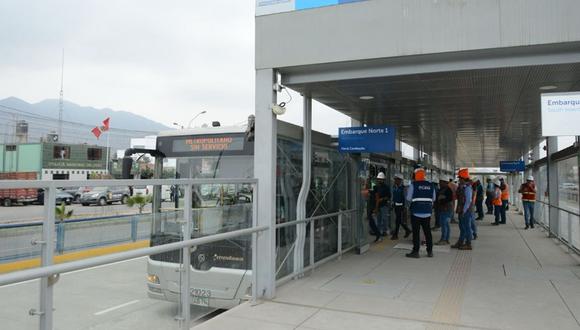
(444, 209)
(474, 197)
(479, 200)
(528, 191)
(399, 206)
(489, 193)
(496, 201)
(421, 195)
(382, 201)
(453, 187)
(371, 215)
(464, 210)
(505, 196)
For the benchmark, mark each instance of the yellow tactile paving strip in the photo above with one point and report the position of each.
(32, 263)
(447, 310)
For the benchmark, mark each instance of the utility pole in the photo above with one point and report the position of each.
(61, 99)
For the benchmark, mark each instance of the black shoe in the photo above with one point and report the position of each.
(495, 224)
(430, 254)
(412, 255)
(407, 233)
(532, 226)
(378, 239)
(474, 237)
(527, 227)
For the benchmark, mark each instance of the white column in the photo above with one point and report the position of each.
(304, 190)
(265, 171)
(552, 145)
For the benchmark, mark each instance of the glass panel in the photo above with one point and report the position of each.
(568, 184)
(325, 238)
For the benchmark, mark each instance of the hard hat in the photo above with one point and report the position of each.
(419, 174)
(398, 176)
(500, 179)
(530, 178)
(497, 182)
(381, 175)
(463, 173)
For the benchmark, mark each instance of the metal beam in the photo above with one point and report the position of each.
(552, 145)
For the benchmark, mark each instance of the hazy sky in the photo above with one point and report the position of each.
(166, 60)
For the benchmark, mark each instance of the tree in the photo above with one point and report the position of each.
(62, 213)
(140, 201)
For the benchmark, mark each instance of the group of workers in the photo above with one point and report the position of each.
(463, 199)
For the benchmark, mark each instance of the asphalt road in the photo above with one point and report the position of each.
(111, 297)
(29, 213)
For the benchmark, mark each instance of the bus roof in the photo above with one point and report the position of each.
(204, 130)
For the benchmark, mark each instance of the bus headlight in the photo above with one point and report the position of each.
(152, 279)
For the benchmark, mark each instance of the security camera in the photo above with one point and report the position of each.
(278, 109)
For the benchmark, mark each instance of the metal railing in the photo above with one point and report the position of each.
(312, 263)
(569, 240)
(48, 273)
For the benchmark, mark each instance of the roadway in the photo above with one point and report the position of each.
(30, 213)
(107, 297)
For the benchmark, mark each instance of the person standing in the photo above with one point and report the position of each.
(479, 200)
(505, 196)
(496, 201)
(421, 195)
(371, 215)
(528, 191)
(489, 193)
(382, 200)
(464, 210)
(444, 206)
(453, 187)
(399, 205)
(474, 197)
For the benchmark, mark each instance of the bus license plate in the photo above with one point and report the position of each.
(200, 297)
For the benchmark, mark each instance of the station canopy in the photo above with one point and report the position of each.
(475, 117)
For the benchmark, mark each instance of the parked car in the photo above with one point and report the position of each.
(105, 195)
(61, 197)
(80, 191)
(142, 190)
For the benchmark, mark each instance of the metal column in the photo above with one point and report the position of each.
(552, 145)
(303, 195)
(46, 283)
(186, 260)
(266, 134)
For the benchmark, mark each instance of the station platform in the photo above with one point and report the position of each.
(513, 279)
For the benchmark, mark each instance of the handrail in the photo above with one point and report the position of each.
(318, 217)
(31, 274)
(559, 208)
(13, 184)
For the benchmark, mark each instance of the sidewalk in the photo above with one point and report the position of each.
(513, 279)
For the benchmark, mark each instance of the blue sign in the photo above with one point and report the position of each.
(366, 139)
(512, 166)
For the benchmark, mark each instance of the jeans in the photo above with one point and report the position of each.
(473, 224)
(504, 204)
(444, 218)
(497, 213)
(479, 206)
(373, 225)
(465, 233)
(400, 220)
(529, 212)
(489, 204)
(424, 223)
(383, 219)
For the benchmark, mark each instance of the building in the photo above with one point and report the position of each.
(54, 161)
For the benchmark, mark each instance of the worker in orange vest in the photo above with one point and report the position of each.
(496, 201)
(505, 196)
(528, 191)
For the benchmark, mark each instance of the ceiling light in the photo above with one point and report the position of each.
(406, 126)
(366, 97)
(525, 122)
(548, 87)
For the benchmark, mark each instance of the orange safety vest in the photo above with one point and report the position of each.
(505, 193)
(497, 198)
(528, 193)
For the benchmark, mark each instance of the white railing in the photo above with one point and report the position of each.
(48, 273)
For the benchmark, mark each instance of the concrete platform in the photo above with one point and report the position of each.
(513, 279)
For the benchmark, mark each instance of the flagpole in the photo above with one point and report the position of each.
(107, 163)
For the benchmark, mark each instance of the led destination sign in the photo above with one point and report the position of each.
(208, 144)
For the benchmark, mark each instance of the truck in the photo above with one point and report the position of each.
(9, 197)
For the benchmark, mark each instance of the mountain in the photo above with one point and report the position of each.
(84, 115)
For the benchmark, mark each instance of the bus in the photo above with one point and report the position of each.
(220, 274)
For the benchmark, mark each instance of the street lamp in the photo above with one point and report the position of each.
(192, 119)
(178, 125)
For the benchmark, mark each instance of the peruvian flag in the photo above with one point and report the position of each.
(98, 130)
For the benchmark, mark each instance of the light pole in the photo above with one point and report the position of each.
(192, 119)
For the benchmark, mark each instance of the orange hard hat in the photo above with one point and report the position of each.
(419, 174)
(463, 173)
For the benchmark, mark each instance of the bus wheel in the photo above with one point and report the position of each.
(7, 202)
(102, 201)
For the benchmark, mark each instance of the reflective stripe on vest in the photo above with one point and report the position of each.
(422, 199)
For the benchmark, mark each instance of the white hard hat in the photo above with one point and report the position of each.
(498, 182)
(530, 178)
(381, 175)
(399, 176)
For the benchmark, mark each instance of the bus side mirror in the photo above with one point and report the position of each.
(126, 167)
